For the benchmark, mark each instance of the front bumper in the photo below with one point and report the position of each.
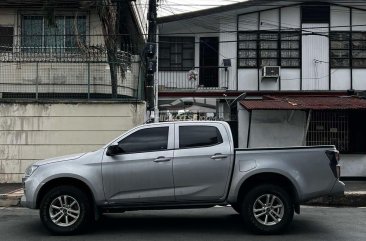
(338, 189)
(23, 202)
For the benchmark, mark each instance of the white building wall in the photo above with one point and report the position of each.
(290, 79)
(248, 22)
(270, 20)
(290, 18)
(30, 132)
(340, 16)
(341, 79)
(248, 79)
(228, 50)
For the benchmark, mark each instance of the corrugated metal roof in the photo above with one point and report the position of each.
(305, 103)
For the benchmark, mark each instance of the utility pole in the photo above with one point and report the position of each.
(151, 60)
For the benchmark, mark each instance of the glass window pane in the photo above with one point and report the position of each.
(268, 36)
(176, 58)
(359, 36)
(188, 54)
(339, 44)
(290, 62)
(247, 54)
(359, 54)
(340, 63)
(188, 64)
(54, 35)
(339, 36)
(268, 53)
(359, 45)
(290, 45)
(247, 63)
(268, 44)
(247, 36)
(248, 45)
(268, 62)
(146, 140)
(290, 36)
(164, 53)
(339, 53)
(32, 33)
(290, 54)
(359, 62)
(198, 136)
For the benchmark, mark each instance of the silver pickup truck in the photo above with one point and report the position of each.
(180, 165)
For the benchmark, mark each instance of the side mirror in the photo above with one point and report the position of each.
(114, 150)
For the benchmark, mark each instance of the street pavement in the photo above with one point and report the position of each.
(315, 223)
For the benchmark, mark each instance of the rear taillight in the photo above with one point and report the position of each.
(334, 158)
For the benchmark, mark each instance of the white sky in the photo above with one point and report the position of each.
(169, 7)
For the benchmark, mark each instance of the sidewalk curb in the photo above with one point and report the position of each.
(11, 199)
(350, 199)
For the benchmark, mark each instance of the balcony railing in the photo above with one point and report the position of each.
(198, 78)
(57, 71)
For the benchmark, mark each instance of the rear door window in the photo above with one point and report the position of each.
(198, 136)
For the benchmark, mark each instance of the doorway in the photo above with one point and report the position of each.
(209, 61)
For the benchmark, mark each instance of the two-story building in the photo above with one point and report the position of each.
(63, 89)
(283, 73)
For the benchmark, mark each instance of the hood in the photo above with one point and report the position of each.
(58, 159)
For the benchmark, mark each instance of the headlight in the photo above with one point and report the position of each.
(30, 170)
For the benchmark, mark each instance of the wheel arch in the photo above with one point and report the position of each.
(270, 178)
(63, 181)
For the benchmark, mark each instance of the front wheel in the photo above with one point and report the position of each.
(65, 210)
(267, 209)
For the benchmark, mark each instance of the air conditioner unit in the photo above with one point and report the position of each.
(271, 72)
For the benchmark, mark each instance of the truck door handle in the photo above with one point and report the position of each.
(162, 159)
(218, 156)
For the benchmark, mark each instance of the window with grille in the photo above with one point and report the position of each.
(39, 36)
(348, 49)
(265, 48)
(176, 53)
(344, 129)
(6, 39)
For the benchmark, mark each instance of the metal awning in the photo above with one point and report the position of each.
(306, 103)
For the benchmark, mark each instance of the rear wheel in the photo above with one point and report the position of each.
(267, 209)
(66, 210)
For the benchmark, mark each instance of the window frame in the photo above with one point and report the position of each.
(54, 49)
(133, 131)
(346, 135)
(176, 40)
(350, 50)
(177, 134)
(279, 40)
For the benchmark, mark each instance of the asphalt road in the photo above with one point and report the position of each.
(344, 224)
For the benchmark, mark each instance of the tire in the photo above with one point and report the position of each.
(71, 209)
(236, 207)
(261, 216)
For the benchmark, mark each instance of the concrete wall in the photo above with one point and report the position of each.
(35, 131)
